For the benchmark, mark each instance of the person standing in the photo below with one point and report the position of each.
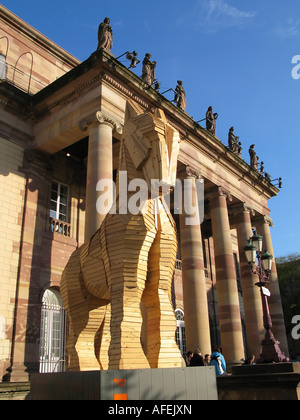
(217, 359)
(197, 359)
(207, 360)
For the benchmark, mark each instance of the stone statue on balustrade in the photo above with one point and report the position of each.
(211, 121)
(180, 97)
(105, 35)
(149, 66)
(233, 143)
(253, 158)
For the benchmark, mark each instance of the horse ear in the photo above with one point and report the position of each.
(132, 110)
(159, 113)
(139, 147)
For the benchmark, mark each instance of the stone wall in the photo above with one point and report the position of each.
(12, 185)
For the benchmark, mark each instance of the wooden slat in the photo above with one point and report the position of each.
(131, 258)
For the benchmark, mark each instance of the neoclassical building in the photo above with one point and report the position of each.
(53, 152)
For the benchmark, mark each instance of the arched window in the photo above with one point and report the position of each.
(52, 333)
(180, 331)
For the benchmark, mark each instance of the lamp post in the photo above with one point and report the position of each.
(132, 57)
(261, 265)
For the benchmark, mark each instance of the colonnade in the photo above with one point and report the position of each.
(100, 165)
(243, 218)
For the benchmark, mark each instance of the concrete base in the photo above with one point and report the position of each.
(280, 381)
(14, 391)
(197, 383)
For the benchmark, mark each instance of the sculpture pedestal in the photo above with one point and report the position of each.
(197, 383)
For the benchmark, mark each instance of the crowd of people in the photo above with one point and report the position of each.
(216, 359)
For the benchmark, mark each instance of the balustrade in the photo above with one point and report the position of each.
(60, 227)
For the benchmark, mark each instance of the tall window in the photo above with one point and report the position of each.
(52, 333)
(180, 331)
(59, 202)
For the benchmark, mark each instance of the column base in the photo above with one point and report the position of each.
(19, 373)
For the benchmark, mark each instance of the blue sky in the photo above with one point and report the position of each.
(231, 54)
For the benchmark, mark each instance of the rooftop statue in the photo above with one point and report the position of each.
(116, 287)
(211, 121)
(105, 35)
(233, 142)
(148, 70)
(253, 158)
(180, 97)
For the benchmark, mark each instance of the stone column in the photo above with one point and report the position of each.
(99, 166)
(251, 294)
(193, 275)
(227, 291)
(262, 225)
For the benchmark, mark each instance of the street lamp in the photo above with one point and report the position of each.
(261, 265)
(132, 57)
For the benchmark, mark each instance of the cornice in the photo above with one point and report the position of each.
(15, 101)
(128, 93)
(102, 67)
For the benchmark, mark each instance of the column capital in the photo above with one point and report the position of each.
(189, 172)
(192, 173)
(100, 117)
(264, 219)
(217, 192)
(241, 207)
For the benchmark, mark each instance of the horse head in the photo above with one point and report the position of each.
(153, 145)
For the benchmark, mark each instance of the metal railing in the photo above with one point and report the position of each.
(22, 80)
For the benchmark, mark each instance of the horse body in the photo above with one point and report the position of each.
(117, 287)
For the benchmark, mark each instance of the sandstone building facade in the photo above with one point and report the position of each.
(48, 104)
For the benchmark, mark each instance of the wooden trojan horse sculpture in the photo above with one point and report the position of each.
(118, 284)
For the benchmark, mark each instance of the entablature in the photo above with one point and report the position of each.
(102, 83)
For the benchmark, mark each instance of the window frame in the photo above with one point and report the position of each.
(180, 336)
(58, 213)
(52, 333)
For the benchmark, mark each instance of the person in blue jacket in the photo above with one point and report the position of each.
(217, 359)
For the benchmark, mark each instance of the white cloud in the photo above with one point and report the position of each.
(213, 15)
(290, 29)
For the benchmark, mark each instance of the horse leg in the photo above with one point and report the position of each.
(102, 339)
(86, 315)
(88, 344)
(162, 350)
(76, 307)
(128, 255)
